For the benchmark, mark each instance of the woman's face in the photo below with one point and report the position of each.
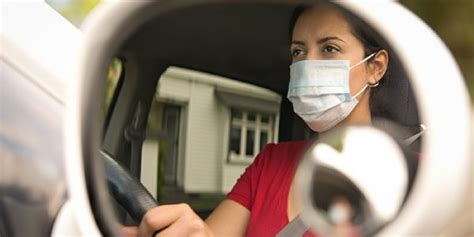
(322, 33)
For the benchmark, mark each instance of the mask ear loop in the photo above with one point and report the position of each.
(376, 83)
(366, 85)
(363, 61)
(361, 91)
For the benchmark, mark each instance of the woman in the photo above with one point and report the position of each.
(349, 68)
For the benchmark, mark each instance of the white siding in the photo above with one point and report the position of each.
(149, 167)
(204, 132)
(202, 153)
(173, 89)
(230, 175)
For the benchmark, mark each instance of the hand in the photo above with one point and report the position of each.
(171, 220)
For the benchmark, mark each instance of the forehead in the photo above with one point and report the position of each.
(322, 20)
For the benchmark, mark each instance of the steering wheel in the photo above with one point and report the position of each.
(127, 190)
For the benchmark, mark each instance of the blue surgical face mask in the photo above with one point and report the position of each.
(319, 91)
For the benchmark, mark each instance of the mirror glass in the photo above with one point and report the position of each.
(197, 97)
(354, 181)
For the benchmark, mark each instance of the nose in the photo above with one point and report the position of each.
(312, 54)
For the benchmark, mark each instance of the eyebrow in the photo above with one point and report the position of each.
(320, 41)
(328, 38)
(298, 42)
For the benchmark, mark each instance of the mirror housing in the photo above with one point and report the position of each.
(363, 166)
(445, 171)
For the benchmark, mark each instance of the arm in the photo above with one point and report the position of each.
(231, 216)
(229, 219)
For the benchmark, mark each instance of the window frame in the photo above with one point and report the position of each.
(110, 106)
(245, 125)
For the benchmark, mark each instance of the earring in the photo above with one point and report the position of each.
(373, 85)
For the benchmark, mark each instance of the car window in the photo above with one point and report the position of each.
(202, 132)
(114, 81)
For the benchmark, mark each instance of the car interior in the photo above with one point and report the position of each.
(238, 41)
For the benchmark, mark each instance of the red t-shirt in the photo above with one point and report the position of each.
(264, 187)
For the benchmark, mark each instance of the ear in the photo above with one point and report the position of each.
(377, 67)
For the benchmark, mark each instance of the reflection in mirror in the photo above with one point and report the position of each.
(354, 181)
(203, 130)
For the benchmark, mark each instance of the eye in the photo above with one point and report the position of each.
(330, 49)
(296, 52)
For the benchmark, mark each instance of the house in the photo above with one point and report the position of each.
(210, 129)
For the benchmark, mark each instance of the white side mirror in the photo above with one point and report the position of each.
(354, 180)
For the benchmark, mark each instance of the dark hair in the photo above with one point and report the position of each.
(383, 99)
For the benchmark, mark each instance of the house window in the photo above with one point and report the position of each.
(250, 131)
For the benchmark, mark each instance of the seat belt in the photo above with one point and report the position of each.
(295, 228)
(135, 137)
(413, 138)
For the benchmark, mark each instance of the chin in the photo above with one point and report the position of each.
(316, 127)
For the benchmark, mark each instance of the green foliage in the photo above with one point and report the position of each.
(113, 76)
(74, 10)
(453, 22)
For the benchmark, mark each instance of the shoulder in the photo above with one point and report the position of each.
(284, 151)
(292, 147)
(301, 144)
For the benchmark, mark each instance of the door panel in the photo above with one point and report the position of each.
(171, 119)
